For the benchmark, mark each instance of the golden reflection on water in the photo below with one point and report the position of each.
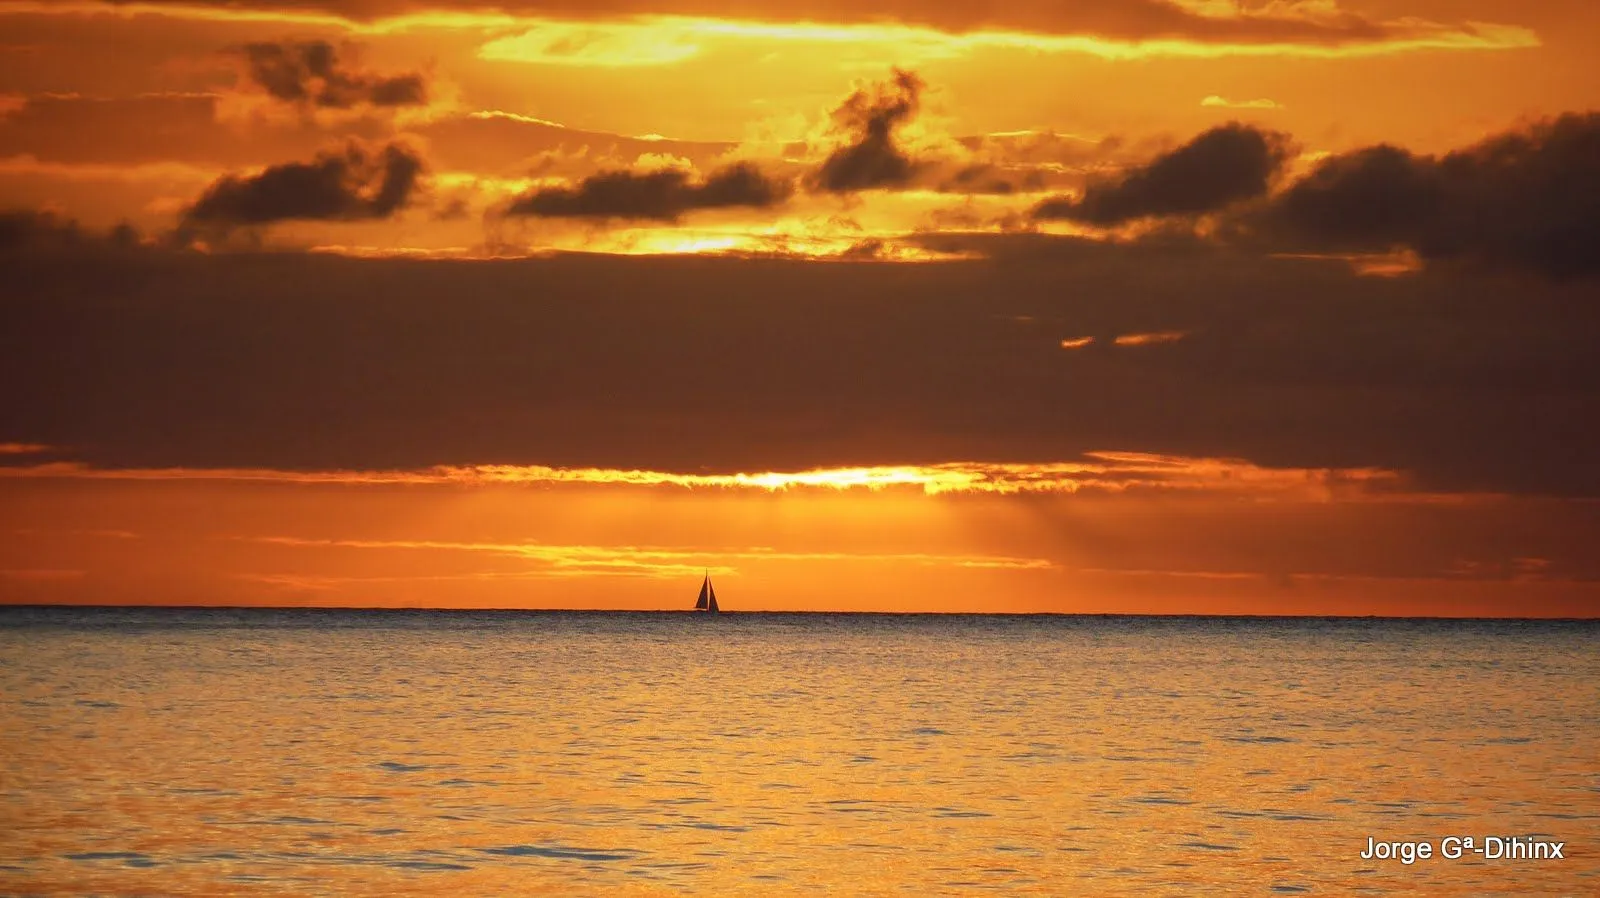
(164, 752)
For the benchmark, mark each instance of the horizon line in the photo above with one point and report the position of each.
(7, 606)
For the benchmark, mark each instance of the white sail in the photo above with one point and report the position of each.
(705, 591)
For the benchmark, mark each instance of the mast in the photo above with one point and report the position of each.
(705, 591)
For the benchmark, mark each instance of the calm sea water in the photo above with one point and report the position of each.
(164, 752)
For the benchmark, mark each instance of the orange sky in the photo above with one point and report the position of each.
(1190, 306)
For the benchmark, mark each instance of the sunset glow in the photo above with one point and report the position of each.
(1159, 306)
(1115, 471)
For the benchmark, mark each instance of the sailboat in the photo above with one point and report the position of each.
(708, 596)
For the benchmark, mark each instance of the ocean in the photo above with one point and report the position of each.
(301, 752)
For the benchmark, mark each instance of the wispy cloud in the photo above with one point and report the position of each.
(1305, 30)
(1223, 102)
(491, 114)
(1495, 572)
(1097, 471)
(98, 532)
(611, 44)
(1149, 339)
(663, 562)
(1139, 339)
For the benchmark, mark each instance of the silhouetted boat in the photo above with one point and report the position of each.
(708, 597)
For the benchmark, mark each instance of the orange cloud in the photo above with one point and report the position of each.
(1261, 103)
(649, 561)
(611, 44)
(1100, 471)
(514, 117)
(1150, 339)
(615, 34)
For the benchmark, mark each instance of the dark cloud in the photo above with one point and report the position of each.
(1376, 197)
(26, 229)
(720, 364)
(1222, 166)
(870, 117)
(988, 177)
(664, 195)
(351, 184)
(978, 178)
(872, 158)
(309, 73)
(1528, 199)
(33, 230)
(863, 250)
